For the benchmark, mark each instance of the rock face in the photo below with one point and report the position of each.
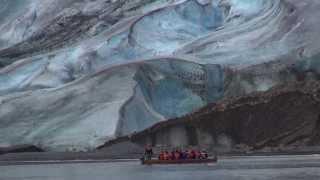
(75, 74)
(20, 149)
(282, 117)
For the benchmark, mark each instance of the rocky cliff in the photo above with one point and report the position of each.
(283, 118)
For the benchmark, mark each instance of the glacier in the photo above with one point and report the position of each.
(85, 113)
(75, 74)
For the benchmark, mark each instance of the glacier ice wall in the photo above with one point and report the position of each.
(169, 88)
(85, 112)
(74, 74)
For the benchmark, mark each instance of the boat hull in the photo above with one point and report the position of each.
(187, 161)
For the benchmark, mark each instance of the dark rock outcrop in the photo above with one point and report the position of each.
(20, 149)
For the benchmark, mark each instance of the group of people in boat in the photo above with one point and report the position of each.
(183, 155)
(176, 154)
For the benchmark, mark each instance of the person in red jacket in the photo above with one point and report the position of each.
(161, 156)
(193, 154)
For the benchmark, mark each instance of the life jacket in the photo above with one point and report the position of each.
(177, 155)
(166, 156)
(185, 155)
(161, 156)
(197, 154)
(193, 154)
(172, 156)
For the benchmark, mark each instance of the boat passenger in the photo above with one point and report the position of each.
(185, 155)
(189, 152)
(161, 156)
(192, 154)
(204, 154)
(148, 152)
(197, 154)
(177, 155)
(166, 155)
(172, 155)
(180, 154)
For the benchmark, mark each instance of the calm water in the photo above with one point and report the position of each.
(271, 168)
